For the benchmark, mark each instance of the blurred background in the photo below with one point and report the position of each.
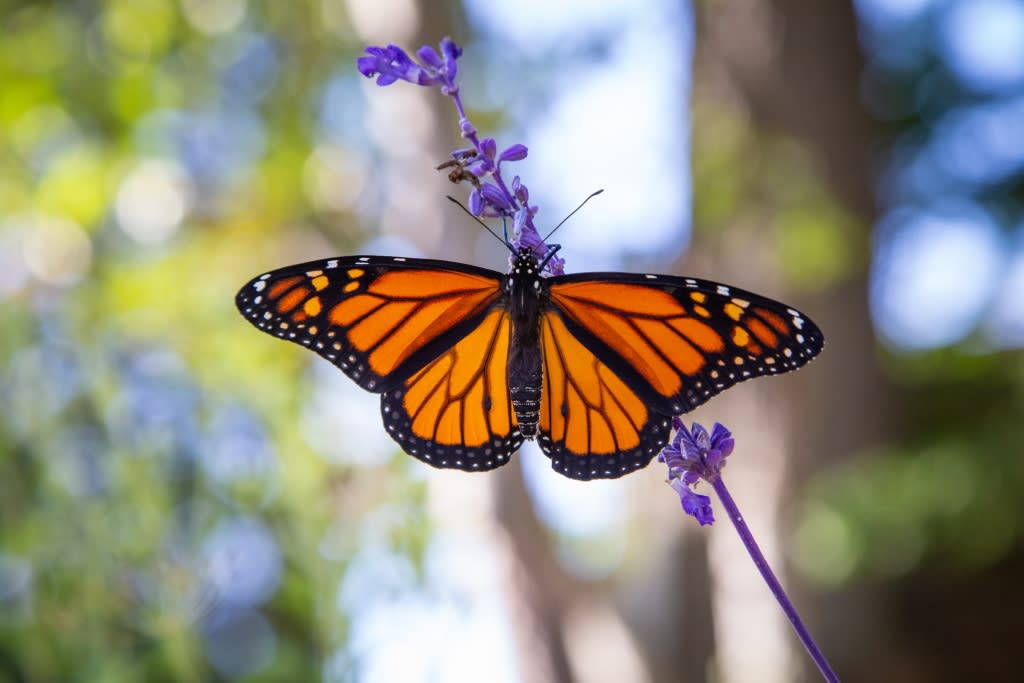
(184, 499)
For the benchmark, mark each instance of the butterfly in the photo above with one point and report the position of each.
(470, 362)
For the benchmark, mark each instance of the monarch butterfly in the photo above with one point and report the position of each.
(471, 362)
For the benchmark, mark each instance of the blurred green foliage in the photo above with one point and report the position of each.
(945, 496)
(124, 369)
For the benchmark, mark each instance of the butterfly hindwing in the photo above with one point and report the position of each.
(592, 423)
(455, 412)
(677, 341)
(379, 319)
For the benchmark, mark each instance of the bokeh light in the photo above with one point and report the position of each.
(983, 43)
(934, 274)
(153, 200)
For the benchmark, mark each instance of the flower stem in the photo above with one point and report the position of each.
(474, 138)
(773, 582)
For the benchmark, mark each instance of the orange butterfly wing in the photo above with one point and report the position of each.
(624, 352)
(592, 423)
(621, 353)
(456, 411)
(379, 319)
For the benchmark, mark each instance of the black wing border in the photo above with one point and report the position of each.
(349, 361)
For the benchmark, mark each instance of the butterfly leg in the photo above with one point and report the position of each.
(549, 256)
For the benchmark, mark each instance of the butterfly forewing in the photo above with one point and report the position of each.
(379, 319)
(679, 341)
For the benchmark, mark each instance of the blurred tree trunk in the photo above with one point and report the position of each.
(796, 69)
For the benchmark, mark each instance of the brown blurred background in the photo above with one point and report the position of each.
(182, 498)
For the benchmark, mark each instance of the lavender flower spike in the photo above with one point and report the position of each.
(694, 455)
(481, 165)
(392, 64)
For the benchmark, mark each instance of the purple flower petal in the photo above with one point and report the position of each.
(529, 237)
(488, 147)
(694, 504)
(522, 193)
(556, 265)
(450, 49)
(423, 78)
(367, 66)
(480, 168)
(721, 440)
(495, 197)
(700, 508)
(516, 152)
(476, 202)
(451, 53)
(429, 56)
(391, 63)
(672, 456)
(519, 220)
(695, 442)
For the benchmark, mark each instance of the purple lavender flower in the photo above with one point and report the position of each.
(480, 165)
(694, 504)
(692, 455)
(392, 64)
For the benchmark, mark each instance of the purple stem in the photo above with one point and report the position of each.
(773, 582)
(474, 138)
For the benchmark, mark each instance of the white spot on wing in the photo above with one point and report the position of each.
(333, 263)
(723, 290)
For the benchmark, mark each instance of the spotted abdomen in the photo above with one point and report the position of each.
(526, 403)
(525, 380)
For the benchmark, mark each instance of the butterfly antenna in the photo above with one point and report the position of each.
(485, 226)
(571, 214)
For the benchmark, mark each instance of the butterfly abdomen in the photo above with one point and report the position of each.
(524, 384)
(525, 363)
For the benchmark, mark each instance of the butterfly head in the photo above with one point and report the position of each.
(525, 274)
(524, 261)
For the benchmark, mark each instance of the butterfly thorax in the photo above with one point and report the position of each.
(525, 288)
